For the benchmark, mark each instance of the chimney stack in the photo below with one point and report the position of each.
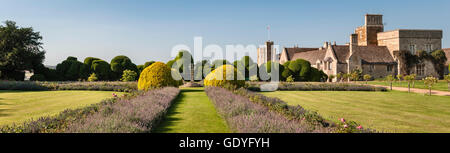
(353, 42)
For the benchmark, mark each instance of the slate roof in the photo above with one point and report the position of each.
(369, 54)
(374, 54)
(292, 51)
(311, 56)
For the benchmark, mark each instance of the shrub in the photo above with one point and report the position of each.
(102, 69)
(121, 63)
(290, 79)
(88, 62)
(156, 76)
(224, 75)
(37, 77)
(72, 70)
(316, 86)
(128, 75)
(21, 85)
(92, 77)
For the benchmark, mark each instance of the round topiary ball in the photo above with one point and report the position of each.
(156, 76)
(218, 77)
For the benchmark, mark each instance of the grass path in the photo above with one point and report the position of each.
(19, 106)
(392, 111)
(193, 112)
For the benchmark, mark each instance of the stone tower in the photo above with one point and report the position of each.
(265, 53)
(367, 34)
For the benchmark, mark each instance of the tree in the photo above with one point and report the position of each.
(409, 79)
(331, 77)
(414, 81)
(147, 64)
(339, 76)
(390, 79)
(102, 69)
(346, 77)
(429, 82)
(447, 78)
(301, 69)
(88, 62)
(120, 64)
(71, 69)
(399, 78)
(367, 77)
(20, 50)
(128, 76)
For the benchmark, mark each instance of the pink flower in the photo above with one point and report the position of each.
(114, 95)
(359, 127)
(303, 119)
(342, 120)
(345, 126)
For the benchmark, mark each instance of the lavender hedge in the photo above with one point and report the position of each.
(137, 115)
(40, 86)
(310, 86)
(135, 112)
(299, 113)
(99, 86)
(244, 116)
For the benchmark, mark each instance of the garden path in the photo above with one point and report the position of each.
(193, 112)
(415, 90)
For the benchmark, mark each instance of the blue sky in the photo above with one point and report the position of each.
(147, 30)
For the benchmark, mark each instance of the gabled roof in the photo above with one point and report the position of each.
(342, 53)
(292, 51)
(374, 54)
(447, 53)
(311, 56)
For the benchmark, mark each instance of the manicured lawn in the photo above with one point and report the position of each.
(193, 113)
(441, 85)
(392, 111)
(19, 106)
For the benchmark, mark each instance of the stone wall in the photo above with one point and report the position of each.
(379, 70)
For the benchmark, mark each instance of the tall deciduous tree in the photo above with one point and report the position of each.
(20, 50)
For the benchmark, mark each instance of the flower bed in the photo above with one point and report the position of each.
(129, 114)
(244, 116)
(308, 86)
(39, 86)
(299, 113)
(97, 86)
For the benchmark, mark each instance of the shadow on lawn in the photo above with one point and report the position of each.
(3, 114)
(170, 118)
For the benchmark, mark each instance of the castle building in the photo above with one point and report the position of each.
(266, 53)
(371, 50)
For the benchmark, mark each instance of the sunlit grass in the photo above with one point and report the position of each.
(19, 106)
(392, 111)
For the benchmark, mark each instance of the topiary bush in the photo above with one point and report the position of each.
(218, 77)
(121, 63)
(156, 76)
(37, 77)
(102, 69)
